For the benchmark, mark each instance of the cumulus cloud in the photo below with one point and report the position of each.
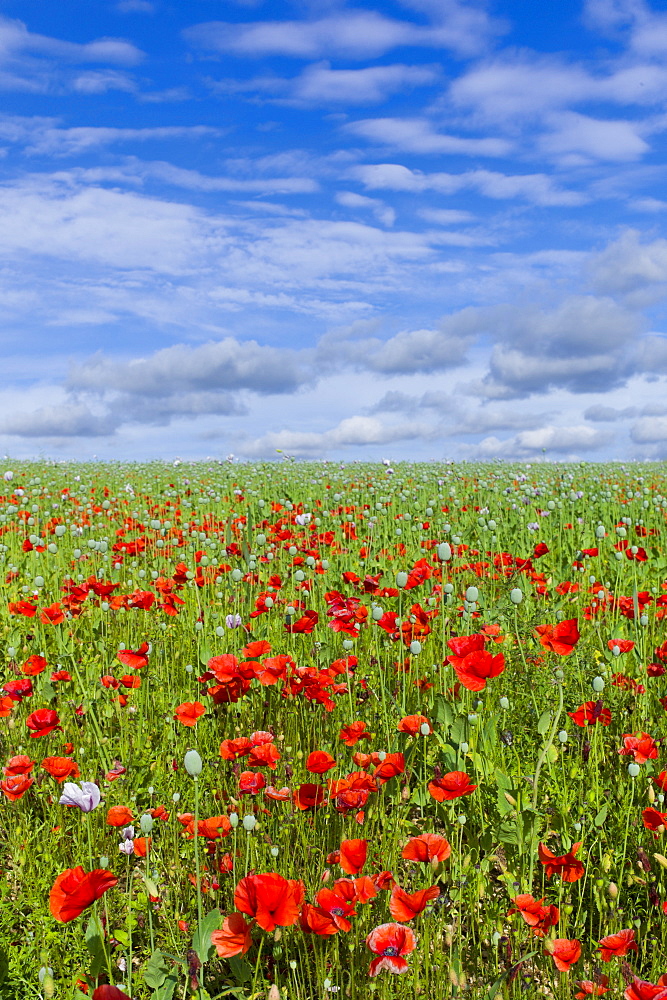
(569, 441)
(350, 34)
(540, 189)
(628, 266)
(65, 420)
(320, 84)
(609, 414)
(38, 63)
(223, 365)
(417, 135)
(355, 431)
(649, 429)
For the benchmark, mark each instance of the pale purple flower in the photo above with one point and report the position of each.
(532, 526)
(127, 833)
(85, 796)
(303, 519)
(233, 621)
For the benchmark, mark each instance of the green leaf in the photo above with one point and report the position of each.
(544, 722)
(201, 941)
(4, 966)
(508, 833)
(241, 970)
(167, 989)
(444, 714)
(155, 970)
(94, 937)
(122, 937)
(601, 816)
(503, 781)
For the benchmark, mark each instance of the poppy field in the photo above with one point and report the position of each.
(304, 730)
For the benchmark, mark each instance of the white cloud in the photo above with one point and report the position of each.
(649, 429)
(382, 212)
(351, 35)
(539, 189)
(417, 135)
(72, 141)
(319, 84)
(577, 138)
(627, 265)
(355, 431)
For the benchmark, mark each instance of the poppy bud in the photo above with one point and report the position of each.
(661, 859)
(472, 594)
(651, 794)
(612, 890)
(633, 769)
(193, 763)
(401, 579)
(598, 684)
(444, 552)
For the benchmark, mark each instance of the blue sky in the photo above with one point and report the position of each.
(420, 229)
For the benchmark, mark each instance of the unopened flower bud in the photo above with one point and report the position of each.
(193, 763)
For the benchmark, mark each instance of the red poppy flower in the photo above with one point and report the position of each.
(271, 899)
(233, 749)
(278, 794)
(18, 689)
(251, 782)
(565, 952)
(319, 762)
(403, 906)
(53, 615)
(590, 714)
(119, 816)
(142, 846)
(353, 856)
(108, 992)
(451, 786)
(661, 780)
(565, 865)
(624, 645)
(642, 747)
(477, 667)
(412, 724)
(339, 902)
(134, 658)
(25, 608)
(587, 988)
(540, 918)
(15, 786)
(308, 796)
(654, 820)
(639, 989)
(317, 920)
(617, 945)
(20, 764)
(234, 936)
(353, 732)
(258, 648)
(61, 767)
(264, 755)
(428, 847)
(303, 625)
(560, 638)
(390, 942)
(42, 722)
(189, 712)
(74, 890)
(61, 675)
(34, 665)
(392, 765)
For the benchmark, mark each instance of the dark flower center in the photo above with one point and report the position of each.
(390, 951)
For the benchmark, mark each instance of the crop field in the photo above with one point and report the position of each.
(311, 731)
